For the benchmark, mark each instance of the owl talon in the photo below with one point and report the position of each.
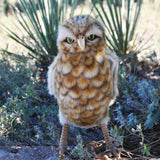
(113, 150)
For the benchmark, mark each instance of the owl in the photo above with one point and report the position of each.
(83, 76)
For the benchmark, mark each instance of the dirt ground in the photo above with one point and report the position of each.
(28, 153)
(44, 153)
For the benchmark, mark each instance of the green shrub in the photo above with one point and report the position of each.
(149, 94)
(79, 151)
(140, 101)
(13, 76)
(26, 113)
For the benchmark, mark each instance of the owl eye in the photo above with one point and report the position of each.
(69, 40)
(92, 37)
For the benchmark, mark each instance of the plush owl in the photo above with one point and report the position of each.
(83, 76)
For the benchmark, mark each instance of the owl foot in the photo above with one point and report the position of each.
(113, 145)
(114, 149)
(101, 149)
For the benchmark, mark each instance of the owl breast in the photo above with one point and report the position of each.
(84, 89)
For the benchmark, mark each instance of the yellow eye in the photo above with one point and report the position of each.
(69, 40)
(92, 37)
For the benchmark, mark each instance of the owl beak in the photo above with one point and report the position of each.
(81, 43)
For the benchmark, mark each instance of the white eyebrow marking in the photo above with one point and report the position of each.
(63, 33)
(94, 29)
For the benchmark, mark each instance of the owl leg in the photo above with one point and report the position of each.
(106, 135)
(63, 139)
(111, 146)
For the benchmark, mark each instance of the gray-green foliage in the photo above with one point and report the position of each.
(79, 151)
(120, 22)
(39, 21)
(13, 75)
(117, 134)
(140, 99)
(149, 93)
(26, 115)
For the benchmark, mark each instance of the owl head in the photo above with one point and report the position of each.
(80, 34)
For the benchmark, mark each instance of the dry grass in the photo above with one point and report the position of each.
(149, 22)
(5, 41)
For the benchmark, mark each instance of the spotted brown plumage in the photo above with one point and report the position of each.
(83, 76)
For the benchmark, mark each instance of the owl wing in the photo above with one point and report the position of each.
(52, 76)
(113, 60)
